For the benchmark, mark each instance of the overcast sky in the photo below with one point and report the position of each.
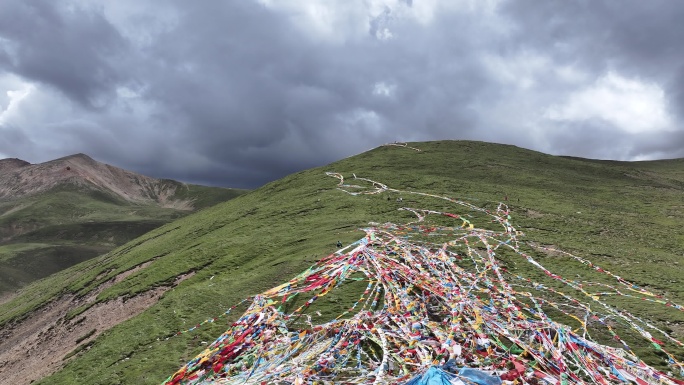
(241, 92)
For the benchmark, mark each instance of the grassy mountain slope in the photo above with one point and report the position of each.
(59, 213)
(623, 216)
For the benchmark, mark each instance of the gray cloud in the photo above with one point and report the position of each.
(638, 39)
(73, 49)
(238, 93)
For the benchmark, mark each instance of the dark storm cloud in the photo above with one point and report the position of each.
(241, 92)
(73, 49)
(273, 101)
(642, 35)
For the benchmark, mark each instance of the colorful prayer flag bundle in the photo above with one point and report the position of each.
(447, 313)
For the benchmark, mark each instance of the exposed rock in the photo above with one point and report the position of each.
(11, 164)
(19, 179)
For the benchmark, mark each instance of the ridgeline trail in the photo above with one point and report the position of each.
(441, 303)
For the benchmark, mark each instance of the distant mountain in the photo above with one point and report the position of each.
(61, 212)
(20, 179)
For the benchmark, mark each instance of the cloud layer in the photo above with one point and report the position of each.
(238, 93)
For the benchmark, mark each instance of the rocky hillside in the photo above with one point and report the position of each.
(11, 164)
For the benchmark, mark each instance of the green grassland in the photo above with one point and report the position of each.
(625, 217)
(46, 233)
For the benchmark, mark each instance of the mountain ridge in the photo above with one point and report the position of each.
(20, 179)
(9, 164)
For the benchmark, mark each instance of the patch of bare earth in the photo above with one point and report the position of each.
(533, 214)
(6, 297)
(119, 277)
(677, 329)
(37, 346)
(550, 250)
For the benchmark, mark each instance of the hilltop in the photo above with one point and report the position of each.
(58, 213)
(622, 216)
(11, 164)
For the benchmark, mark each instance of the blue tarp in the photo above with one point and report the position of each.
(473, 375)
(436, 376)
(479, 377)
(433, 376)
